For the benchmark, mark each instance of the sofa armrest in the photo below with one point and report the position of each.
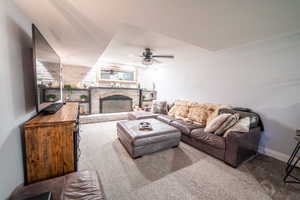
(241, 146)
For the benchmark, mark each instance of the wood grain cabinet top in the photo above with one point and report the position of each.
(67, 114)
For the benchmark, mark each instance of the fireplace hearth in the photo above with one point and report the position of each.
(115, 103)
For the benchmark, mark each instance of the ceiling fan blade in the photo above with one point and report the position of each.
(163, 56)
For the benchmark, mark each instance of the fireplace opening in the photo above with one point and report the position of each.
(115, 103)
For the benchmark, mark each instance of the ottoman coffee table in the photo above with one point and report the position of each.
(141, 115)
(140, 142)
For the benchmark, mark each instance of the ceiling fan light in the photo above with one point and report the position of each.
(147, 61)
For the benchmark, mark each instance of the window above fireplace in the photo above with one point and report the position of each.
(117, 74)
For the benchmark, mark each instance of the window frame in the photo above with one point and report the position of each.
(117, 81)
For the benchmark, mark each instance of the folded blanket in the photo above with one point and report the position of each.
(255, 119)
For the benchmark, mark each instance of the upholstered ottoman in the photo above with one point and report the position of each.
(141, 115)
(138, 143)
(83, 185)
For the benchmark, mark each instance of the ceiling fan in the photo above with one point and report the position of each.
(149, 57)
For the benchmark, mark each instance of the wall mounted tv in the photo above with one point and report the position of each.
(48, 72)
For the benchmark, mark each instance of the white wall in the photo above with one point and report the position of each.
(17, 96)
(264, 76)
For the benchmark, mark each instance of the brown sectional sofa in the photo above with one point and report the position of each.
(233, 149)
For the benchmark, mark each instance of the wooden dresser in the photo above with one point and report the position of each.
(51, 144)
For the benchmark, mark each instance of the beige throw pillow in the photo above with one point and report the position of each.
(241, 126)
(232, 120)
(198, 113)
(180, 109)
(215, 123)
(213, 111)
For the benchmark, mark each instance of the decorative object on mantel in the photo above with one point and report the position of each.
(136, 108)
(83, 97)
(292, 162)
(69, 89)
(85, 86)
(51, 97)
(55, 84)
(147, 108)
(145, 126)
(153, 86)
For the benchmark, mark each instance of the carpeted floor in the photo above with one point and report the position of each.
(182, 173)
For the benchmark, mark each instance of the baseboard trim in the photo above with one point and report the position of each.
(275, 154)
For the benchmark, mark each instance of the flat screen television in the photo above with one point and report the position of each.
(48, 71)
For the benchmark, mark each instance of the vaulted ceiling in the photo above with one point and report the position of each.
(83, 30)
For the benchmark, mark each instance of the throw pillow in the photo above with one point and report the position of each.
(241, 126)
(180, 109)
(232, 120)
(198, 113)
(214, 124)
(159, 107)
(213, 111)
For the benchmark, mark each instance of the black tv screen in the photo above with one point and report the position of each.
(48, 70)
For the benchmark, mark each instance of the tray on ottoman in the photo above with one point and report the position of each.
(140, 142)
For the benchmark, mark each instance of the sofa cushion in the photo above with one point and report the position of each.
(208, 138)
(231, 120)
(165, 118)
(159, 107)
(214, 124)
(180, 109)
(185, 127)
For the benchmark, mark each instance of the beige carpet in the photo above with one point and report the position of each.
(182, 173)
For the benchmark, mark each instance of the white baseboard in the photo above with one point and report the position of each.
(275, 154)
